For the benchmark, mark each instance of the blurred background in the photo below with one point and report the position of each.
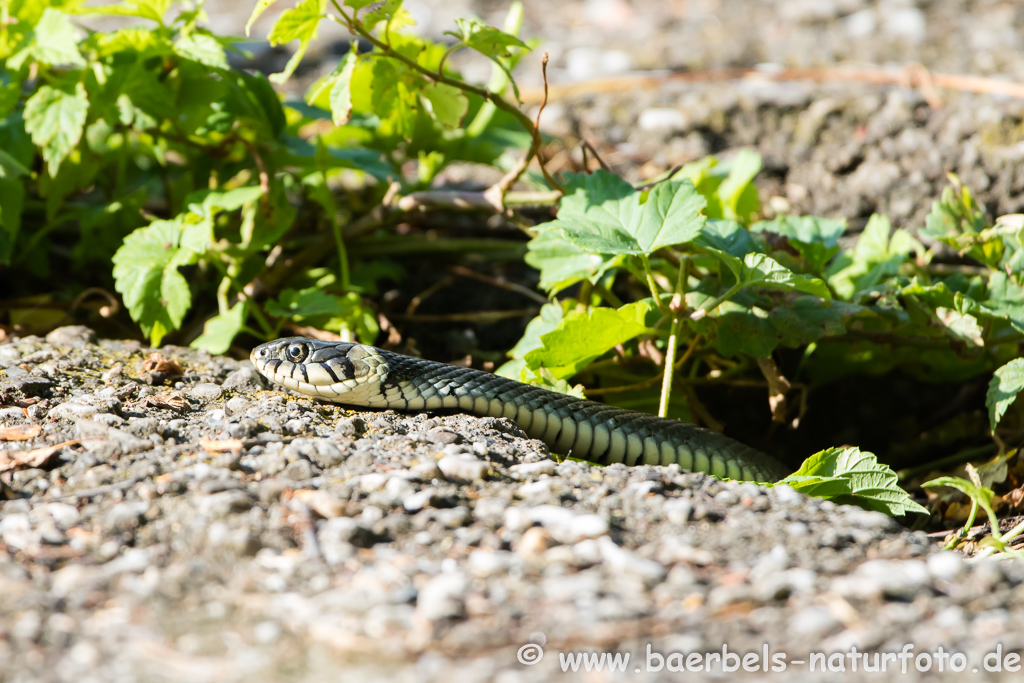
(833, 148)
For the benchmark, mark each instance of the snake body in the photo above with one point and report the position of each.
(365, 376)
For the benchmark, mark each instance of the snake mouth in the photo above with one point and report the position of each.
(314, 367)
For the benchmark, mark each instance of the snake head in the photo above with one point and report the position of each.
(319, 368)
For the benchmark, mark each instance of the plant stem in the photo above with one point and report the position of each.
(499, 80)
(647, 382)
(381, 247)
(261, 319)
(484, 93)
(222, 294)
(339, 243)
(677, 307)
(652, 285)
(704, 310)
(608, 295)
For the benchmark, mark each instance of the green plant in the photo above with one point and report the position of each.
(683, 263)
(147, 136)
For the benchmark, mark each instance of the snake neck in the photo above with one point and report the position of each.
(417, 384)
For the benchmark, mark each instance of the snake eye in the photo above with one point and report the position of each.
(296, 352)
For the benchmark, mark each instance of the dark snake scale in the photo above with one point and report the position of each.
(365, 376)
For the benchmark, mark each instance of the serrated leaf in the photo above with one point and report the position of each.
(733, 327)
(339, 87)
(876, 257)
(807, 319)
(765, 272)
(486, 39)
(818, 486)
(583, 336)
(729, 237)
(1006, 384)
(220, 330)
(1005, 300)
(385, 12)
(56, 41)
(298, 23)
(603, 214)
(299, 304)
(146, 275)
(871, 484)
(816, 239)
(562, 263)
(547, 320)
(318, 308)
(55, 120)
(259, 9)
(446, 103)
(202, 48)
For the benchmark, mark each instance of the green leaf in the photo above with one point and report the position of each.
(547, 320)
(299, 304)
(955, 214)
(55, 119)
(445, 103)
(735, 327)
(602, 213)
(1006, 384)
(220, 330)
(146, 275)
(875, 258)
(202, 48)
(807, 319)
(982, 495)
(318, 308)
(848, 475)
(1005, 300)
(10, 91)
(737, 193)
(339, 87)
(583, 336)
(562, 263)
(766, 273)
(56, 41)
(816, 239)
(385, 12)
(728, 237)
(298, 23)
(819, 487)
(485, 39)
(207, 202)
(259, 9)
(144, 9)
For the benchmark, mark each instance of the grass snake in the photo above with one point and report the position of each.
(364, 376)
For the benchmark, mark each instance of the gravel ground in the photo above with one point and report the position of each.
(211, 529)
